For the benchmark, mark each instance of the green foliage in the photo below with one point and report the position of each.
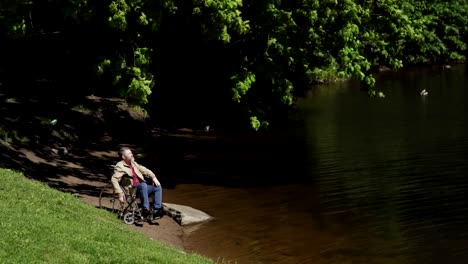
(134, 81)
(12, 18)
(440, 31)
(275, 49)
(219, 17)
(244, 82)
(257, 124)
(309, 42)
(119, 10)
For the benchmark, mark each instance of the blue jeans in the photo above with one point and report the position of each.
(144, 190)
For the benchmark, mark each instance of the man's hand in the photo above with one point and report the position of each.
(156, 182)
(122, 199)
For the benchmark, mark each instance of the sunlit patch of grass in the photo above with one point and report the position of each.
(5, 136)
(82, 109)
(8, 137)
(63, 135)
(89, 112)
(135, 111)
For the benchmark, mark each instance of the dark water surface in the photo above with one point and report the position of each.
(362, 181)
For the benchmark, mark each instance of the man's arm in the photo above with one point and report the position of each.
(148, 173)
(116, 177)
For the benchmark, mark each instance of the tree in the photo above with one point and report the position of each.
(263, 54)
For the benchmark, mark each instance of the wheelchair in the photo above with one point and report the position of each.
(130, 211)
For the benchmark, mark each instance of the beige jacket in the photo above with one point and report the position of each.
(123, 176)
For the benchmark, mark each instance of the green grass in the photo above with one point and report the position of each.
(41, 225)
(7, 137)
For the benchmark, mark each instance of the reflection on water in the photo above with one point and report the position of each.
(395, 169)
(384, 181)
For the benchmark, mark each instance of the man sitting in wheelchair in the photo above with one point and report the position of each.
(128, 172)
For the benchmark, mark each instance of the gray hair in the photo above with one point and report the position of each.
(122, 150)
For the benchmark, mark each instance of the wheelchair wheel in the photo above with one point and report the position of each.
(129, 218)
(107, 200)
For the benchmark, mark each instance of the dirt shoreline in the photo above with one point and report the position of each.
(165, 230)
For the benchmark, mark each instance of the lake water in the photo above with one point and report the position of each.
(362, 180)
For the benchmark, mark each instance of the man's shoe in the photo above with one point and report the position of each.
(157, 214)
(144, 213)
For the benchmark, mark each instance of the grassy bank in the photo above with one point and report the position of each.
(41, 225)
